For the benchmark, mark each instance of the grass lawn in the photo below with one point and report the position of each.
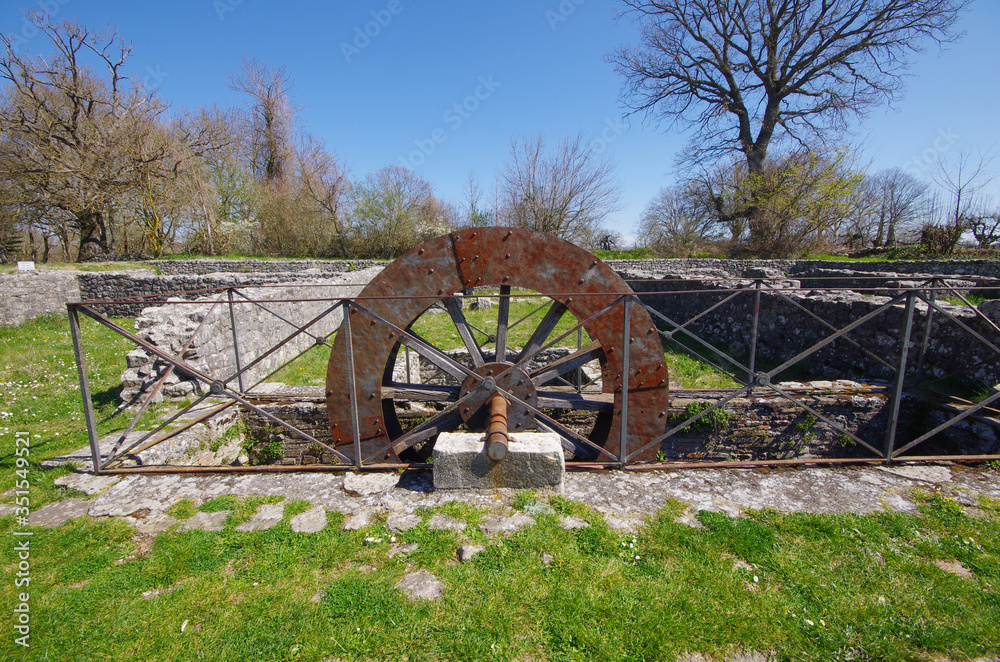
(800, 586)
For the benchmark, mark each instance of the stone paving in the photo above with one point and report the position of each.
(623, 496)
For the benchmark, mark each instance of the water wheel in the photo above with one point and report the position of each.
(435, 274)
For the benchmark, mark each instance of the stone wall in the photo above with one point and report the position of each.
(773, 268)
(790, 323)
(211, 266)
(733, 268)
(765, 426)
(25, 295)
(202, 333)
(131, 290)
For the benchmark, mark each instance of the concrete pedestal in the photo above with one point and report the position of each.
(535, 461)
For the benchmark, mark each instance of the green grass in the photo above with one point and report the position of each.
(40, 392)
(440, 330)
(627, 254)
(802, 586)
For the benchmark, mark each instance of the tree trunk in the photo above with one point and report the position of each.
(93, 236)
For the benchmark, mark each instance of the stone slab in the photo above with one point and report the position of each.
(311, 521)
(358, 520)
(466, 552)
(534, 461)
(421, 585)
(441, 522)
(572, 523)
(370, 483)
(266, 516)
(86, 482)
(205, 522)
(60, 512)
(927, 473)
(398, 522)
(493, 524)
(155, 523)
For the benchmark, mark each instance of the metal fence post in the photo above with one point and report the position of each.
(927, 331)
(356, 425)
(236, 342)
(626, 342)
(897, 391)
(753, 332)
(88, 405)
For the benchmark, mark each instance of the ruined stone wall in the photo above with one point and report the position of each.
(132, 290)
(203, 335)
(792, 320)
(771, 268)
(210, 266)
(734, 268)
(25, 295)
(764, 426)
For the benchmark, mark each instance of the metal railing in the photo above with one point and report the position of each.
(906, 370)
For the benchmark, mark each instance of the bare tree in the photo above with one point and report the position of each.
(269, 123)
(962, 180)
(567, 193)
(476, 213)
(986, 228)
(745, 73)
(65, 129)
(742, 71)
(676, 224)
(394, 209)
(889, 203)
(324, 183)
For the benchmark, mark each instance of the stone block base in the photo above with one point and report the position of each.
(535, 461)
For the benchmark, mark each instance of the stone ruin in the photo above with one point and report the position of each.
(843, 382)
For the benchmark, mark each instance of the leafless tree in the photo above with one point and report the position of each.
(66, 123)
(886, 204)
(747, 73)
(962, 180)
(476, 212)
(986, 228)
(743, 71)
(675, 223)
(325, 184)
(269, 122)
(566, 193)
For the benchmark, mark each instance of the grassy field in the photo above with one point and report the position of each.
(800, 586)
(803, 587)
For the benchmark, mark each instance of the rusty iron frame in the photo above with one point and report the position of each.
(754, 381)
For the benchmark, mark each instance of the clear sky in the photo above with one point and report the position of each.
(442, 87)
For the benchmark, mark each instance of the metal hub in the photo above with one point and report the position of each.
(507, 378)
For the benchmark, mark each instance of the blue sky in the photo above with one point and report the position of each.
(443, 87)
